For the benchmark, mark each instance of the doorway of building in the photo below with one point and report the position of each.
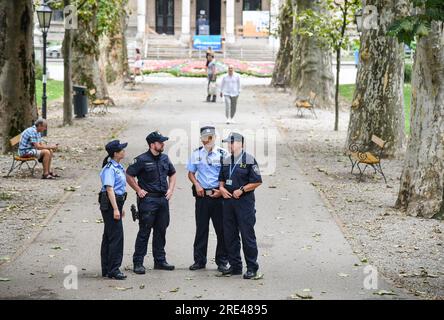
(208, 13)
(165, 16)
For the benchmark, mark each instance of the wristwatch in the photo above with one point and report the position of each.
(242, 189)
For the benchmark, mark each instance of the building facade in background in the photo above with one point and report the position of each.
(182, 19)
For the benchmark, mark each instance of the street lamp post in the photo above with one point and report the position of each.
(44, 14)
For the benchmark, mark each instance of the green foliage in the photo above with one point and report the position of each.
(105, 14)
(346, 91)
(328, 24)
(54, 90)
(408, 70)
(419, 23)
(38, 71)
(110, 74)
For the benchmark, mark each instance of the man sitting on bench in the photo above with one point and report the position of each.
(32, 145)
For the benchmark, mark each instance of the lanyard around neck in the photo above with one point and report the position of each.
(234, 168)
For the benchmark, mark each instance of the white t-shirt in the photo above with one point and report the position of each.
(230, 85)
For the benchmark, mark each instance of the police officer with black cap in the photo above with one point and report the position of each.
(156, 180)
(112, 198)
(203, 171)
(238, 178)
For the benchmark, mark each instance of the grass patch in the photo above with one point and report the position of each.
(346, 92)
(54, 90)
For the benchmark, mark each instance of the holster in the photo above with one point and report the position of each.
(104, 202)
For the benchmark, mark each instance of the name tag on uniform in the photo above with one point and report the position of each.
(229, 182)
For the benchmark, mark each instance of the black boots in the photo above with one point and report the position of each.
(211, 100)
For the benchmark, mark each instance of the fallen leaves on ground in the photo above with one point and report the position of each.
(71, 188)
(384, 293)
(122, 288)
(304, 296)
(258, 276)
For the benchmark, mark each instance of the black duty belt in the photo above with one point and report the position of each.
(155, 195)
(121, 198)
(209, 192)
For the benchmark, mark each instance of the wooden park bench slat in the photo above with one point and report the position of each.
(306, 104)
(129, 80)
(18, 161)
(358, 156)
(99, 103)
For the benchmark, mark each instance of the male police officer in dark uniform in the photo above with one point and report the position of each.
(153, 191)
(203, 171)
(239, 177)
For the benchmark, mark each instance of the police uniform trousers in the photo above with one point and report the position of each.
(111, 251)
(209, 208)
(154, 213)
(239, 216)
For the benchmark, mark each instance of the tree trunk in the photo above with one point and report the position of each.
(422, 182)
(17, 78)
(338, 73)
(67, 79)
(113, 53)
(312, 67)
(378, 103)
(282, 68)
(85, 55)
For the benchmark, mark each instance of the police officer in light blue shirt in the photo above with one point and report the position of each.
(203, 171)
(112, 198)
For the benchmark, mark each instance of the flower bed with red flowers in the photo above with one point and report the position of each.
(197, 68)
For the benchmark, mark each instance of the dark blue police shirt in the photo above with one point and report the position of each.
(246, 171)
(152, 171)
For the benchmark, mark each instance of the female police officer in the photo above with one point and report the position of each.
(111, 199)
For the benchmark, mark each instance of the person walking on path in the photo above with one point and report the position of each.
(211, 76)
(230, 90)
(112, 198)
(138, 64)
(209, 53)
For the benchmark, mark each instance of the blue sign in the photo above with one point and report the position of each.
(203, 42)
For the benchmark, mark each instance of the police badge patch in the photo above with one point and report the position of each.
(256, 169)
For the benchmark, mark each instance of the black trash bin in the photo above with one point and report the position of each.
(80, 100)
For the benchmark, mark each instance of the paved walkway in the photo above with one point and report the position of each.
(300, 244)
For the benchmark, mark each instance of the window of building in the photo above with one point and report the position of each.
(252, 5)
(57, 15)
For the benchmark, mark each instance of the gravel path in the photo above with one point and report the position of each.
(25, 201)
(407, 250)
(303, 253)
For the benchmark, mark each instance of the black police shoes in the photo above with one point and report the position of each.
(163, 266)
(222, 268)
(232, 272)
(117, 276)
(197, 266)
(250, 274)
(139, 269)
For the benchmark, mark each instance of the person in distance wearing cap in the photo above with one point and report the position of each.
(156, 180)
(203, 171)
(112, 198)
